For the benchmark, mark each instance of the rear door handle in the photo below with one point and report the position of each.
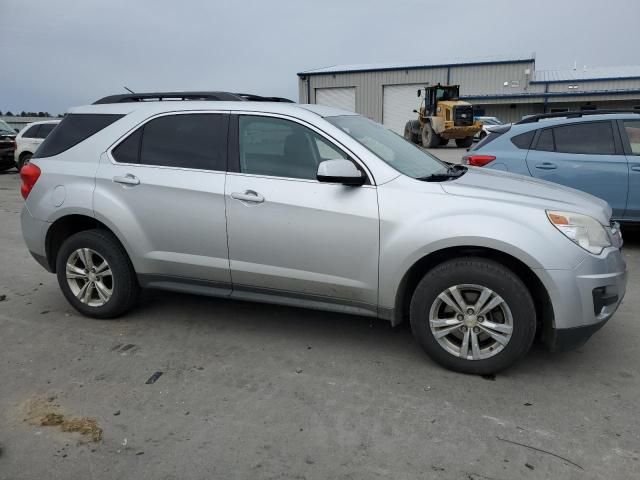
(248, 196)
(546, 166)
(128, 179)
(635, 168)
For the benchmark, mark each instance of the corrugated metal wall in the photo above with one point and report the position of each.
(480, 79)
(474, 80)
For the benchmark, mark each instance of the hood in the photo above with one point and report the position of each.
(509, 187)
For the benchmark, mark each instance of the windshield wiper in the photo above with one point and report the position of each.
(452, 171)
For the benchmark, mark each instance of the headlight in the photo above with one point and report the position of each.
(583, 230)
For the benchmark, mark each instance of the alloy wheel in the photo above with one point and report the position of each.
(471, 321)
(89, 277)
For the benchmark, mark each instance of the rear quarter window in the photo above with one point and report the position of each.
(73, 129)
(495, 132)
(523, 140)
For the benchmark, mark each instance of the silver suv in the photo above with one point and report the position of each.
(309, 206)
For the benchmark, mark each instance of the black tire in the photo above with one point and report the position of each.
(23, 160)
(482, 134)
(408, 134)
(484, 273)
(409, 131)
(124, 284)
(429, 137)
(444, 141)
(464, 142)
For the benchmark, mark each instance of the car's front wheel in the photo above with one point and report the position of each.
(473, 315)
(95, 274)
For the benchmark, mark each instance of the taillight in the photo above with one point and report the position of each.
(479, 160)
(29, 175)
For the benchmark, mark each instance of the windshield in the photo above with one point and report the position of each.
(5, 128)
(446, 94)
(389, 147)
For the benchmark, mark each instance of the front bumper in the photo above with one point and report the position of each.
(585, 298)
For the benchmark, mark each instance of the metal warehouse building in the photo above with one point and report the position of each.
(507, 88)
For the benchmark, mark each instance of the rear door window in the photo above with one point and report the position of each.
(594, 138)
(129, 150)
(45, 129)
(197, 141)
(545, 141)
(31, 132)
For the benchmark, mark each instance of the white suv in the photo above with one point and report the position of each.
(30, 138)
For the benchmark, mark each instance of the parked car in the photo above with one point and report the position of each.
(596, 152)
(486, 123)
(30, 138)
(7, 146)
(310, 206)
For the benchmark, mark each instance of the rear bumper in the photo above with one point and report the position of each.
(34, 232)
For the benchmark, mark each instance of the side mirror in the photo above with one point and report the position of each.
(419, 92)
(340, 171)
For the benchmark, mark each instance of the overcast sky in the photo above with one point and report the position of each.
(60, 53)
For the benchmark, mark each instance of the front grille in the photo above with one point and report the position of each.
(463, 115)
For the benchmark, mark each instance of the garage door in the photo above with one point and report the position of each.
(398, 104)
(342, 98)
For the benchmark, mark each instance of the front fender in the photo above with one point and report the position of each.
(521, 232)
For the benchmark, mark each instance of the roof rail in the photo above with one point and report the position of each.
(208, 96)
(250, 97)
(160, 96)
(573, 114)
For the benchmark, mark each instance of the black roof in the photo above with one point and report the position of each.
(209, 96)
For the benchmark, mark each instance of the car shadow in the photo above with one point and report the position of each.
(372, 339)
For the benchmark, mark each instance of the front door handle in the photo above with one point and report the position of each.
(248, 196)
(128, 179)
(546, 166)
(635, 168)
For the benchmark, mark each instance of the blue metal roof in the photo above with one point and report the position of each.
(588, 74)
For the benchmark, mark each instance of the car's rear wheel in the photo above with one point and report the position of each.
(24, 159)
(473, 315)
(95, 274)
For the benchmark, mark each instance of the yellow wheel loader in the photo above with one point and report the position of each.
(442, 117)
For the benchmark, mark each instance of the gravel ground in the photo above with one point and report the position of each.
(259, 391)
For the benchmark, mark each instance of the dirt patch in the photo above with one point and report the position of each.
(46, 413)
